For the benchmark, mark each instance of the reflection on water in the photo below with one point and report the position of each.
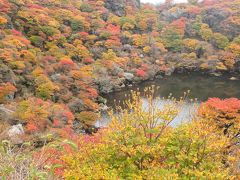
(201, 87)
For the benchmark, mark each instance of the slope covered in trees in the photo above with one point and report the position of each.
(68, 52)
(58, 56)
(138, 145)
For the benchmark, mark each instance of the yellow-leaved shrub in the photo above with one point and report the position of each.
(140, 143)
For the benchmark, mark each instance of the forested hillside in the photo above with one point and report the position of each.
(57, 57)
(64, 53)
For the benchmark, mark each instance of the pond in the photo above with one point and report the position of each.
(201, 88)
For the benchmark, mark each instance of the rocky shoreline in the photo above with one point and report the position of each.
(129, 79)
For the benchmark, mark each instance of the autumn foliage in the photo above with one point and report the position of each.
(40, 115)
(57, 57)
(134, 145)
(6, 89)
(225, 113)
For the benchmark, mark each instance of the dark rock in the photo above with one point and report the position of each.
(169, 71)
(5, 114)
(127, 48)
(55, 77)
(237, 65)
(170, 16)
(118, 83)
(84, 129)
(7, 75)
(103, 107)
(91, 130)
(214, 16)
(159, 77)
(102, 100)
(76, 105)
(117, 70)
(128, 76)
(105, 86)
(229, 29)
(118, 6)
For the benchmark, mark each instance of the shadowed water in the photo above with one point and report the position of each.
(201, 88)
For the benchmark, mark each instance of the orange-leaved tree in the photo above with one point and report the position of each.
(5, 90)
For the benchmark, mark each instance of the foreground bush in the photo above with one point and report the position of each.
(225, 113)
(139, 143)
(18, 163)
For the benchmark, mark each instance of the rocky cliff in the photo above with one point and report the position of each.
(118, 6)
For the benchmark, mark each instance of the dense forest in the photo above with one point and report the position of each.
(59, 57)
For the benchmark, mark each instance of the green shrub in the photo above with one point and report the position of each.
(86, 8)
(37, 41)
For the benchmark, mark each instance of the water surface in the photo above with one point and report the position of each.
(201, 87)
